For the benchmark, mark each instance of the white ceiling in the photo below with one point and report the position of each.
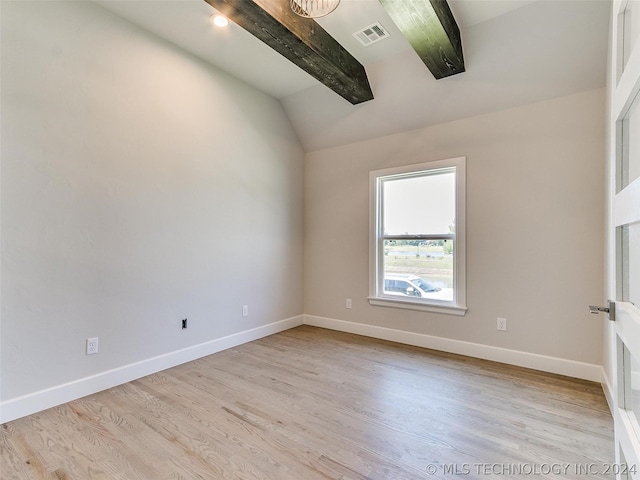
(516, 52)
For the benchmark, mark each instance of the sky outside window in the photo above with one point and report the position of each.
(424, 204)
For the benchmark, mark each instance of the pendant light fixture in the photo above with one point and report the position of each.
(313, 8)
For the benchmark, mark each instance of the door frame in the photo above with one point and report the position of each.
(622, 336)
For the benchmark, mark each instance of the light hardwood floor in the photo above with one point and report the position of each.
(310, 404)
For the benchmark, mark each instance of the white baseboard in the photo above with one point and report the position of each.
(38, 401)
(607, 388)
(561, 366)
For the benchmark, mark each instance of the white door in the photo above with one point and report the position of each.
(624, 198)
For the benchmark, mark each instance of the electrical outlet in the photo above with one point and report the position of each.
(245, 310)
(349, 303)
(184, 323)
(502, 324)
(92, 346)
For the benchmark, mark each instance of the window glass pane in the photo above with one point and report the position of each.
(419, 269)
(419, 205)
(632, 388)
(630, 28)
(635, 386)
(630, 161)
(631, 263)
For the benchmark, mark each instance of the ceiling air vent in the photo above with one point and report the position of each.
(371, 34)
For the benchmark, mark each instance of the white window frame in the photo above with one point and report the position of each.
(377, 296)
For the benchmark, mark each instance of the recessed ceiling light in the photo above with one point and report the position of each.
(219, 20)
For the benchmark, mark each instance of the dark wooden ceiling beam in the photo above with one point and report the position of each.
(302, 41)
(432, 32)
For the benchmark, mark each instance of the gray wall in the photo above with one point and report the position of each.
(535, 210)
(140, 186)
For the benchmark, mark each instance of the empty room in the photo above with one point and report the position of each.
(319, 239)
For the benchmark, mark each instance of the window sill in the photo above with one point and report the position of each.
(448, 309)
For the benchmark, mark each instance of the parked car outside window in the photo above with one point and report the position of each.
(408, 285)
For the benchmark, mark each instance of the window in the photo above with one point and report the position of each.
(417, 251)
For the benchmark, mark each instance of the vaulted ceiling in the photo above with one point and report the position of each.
(515, 52)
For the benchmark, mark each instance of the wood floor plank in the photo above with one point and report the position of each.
(314, 404)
